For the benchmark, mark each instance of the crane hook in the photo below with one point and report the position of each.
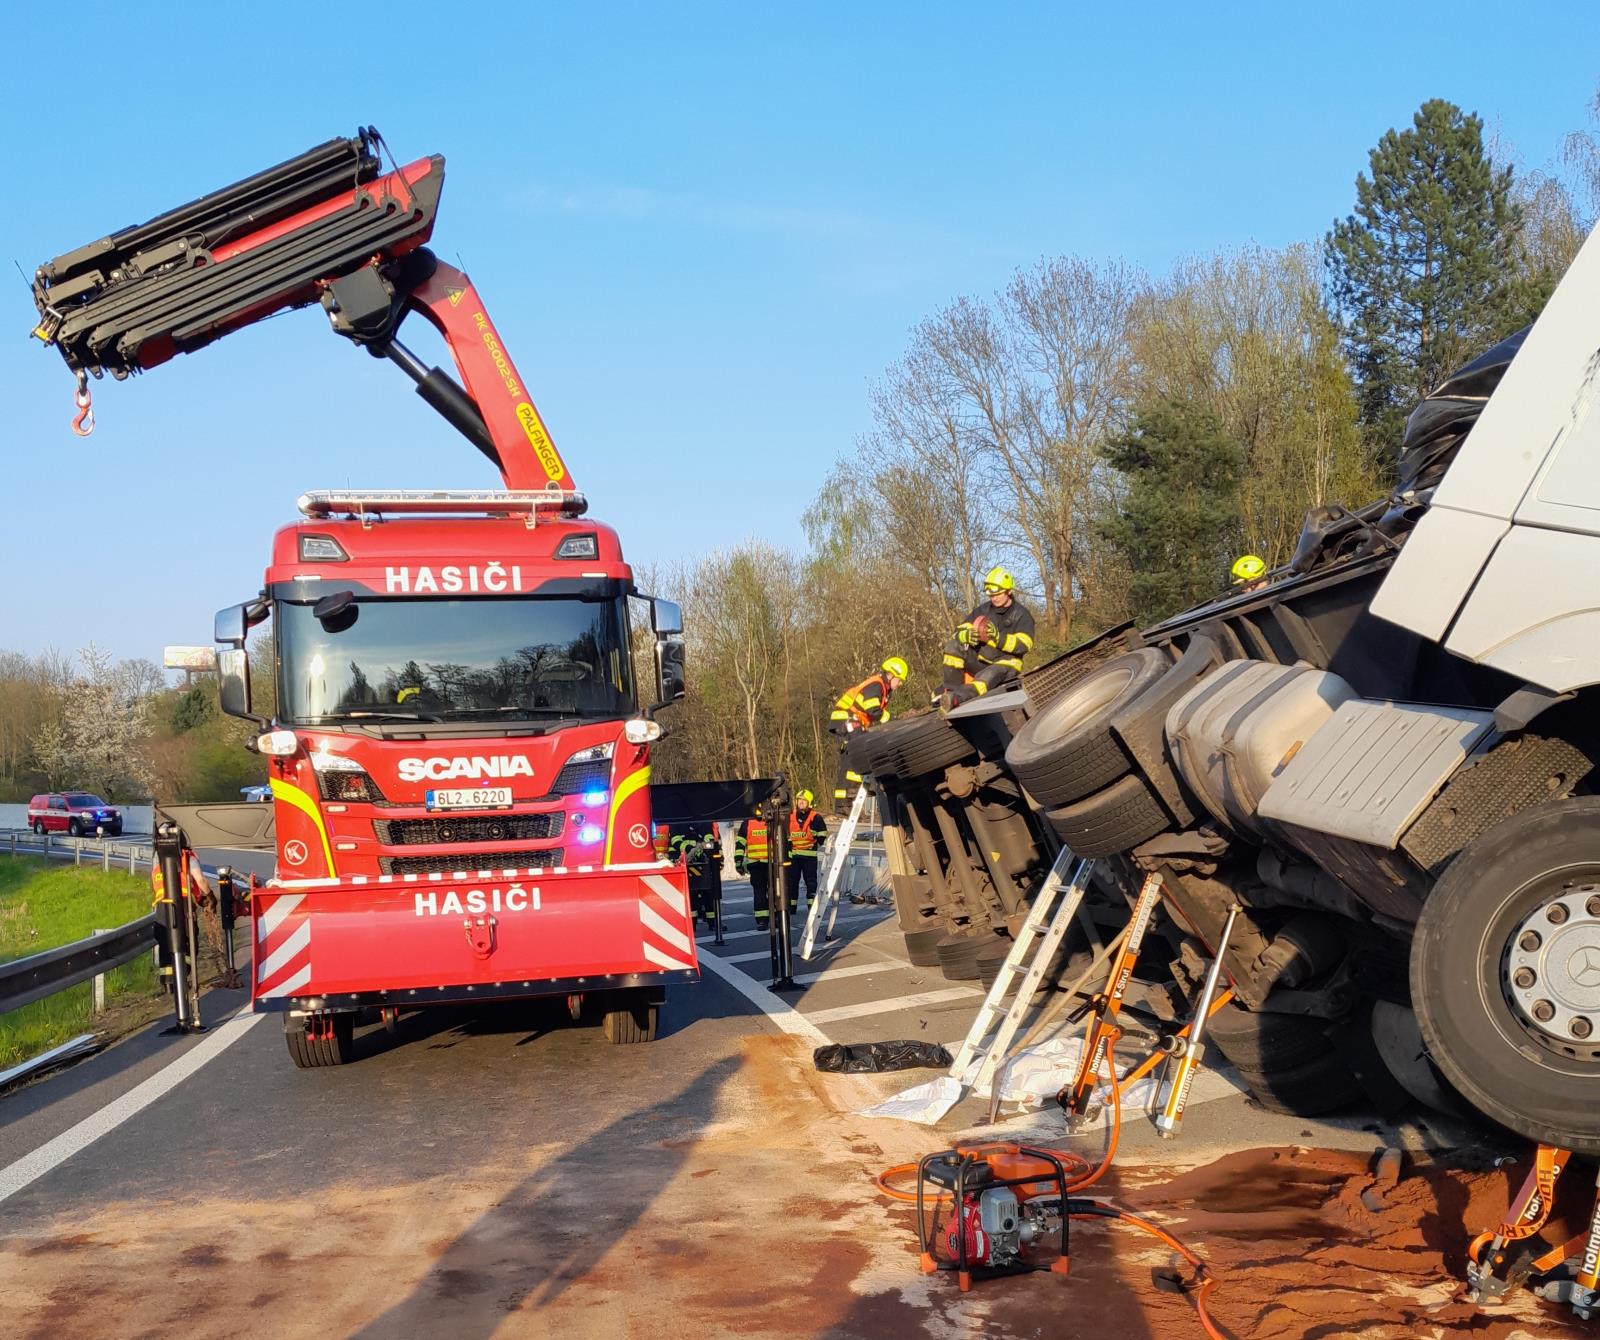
(83, 420)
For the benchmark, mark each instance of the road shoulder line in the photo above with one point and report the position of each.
(54, 1152)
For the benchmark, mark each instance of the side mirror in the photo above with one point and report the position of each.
(231, 626)
(666, 618)
(672, 681)
(189, 658)
(233, 682)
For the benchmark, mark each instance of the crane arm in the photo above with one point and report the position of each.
(328, 226)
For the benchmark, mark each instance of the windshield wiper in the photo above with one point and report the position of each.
(508, 709)
(373, 714)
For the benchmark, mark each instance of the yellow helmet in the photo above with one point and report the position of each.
(805, 798)
(998, 579)
(897, 667)
(1248, 568)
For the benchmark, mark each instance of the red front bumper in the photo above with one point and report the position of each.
(423, 939)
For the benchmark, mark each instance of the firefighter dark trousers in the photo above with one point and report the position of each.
(760, 878)
(801, 870)
(845, 783)
(985, 667)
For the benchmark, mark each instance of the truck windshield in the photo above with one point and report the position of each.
(444, 660)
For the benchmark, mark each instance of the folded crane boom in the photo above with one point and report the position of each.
(328, 226)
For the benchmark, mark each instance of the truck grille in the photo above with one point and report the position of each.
(471, 862)
(477, 828)
(594, 775)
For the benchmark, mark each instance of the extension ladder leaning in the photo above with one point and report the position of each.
(1051, 916)
(826, 903)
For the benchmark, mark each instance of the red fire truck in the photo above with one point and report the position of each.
(459, 752)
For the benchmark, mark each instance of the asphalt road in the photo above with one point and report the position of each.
(506, 1172)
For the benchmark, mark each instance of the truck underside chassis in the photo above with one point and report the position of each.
(1430, 932)
(330, 953)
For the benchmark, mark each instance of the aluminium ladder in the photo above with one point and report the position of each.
(1036, 944)
(826, 902)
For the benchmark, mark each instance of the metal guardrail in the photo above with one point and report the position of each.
(130, 851)
(26, 980)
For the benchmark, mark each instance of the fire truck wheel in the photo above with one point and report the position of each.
(319, 1040)
(75, 828)
(1505, 973)
(632, 1020)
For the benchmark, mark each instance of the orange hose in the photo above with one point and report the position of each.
(1079, 1176)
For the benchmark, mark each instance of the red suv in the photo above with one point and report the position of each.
(75, 812)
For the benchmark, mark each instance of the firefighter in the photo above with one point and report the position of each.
(808, 830)
(698, 846)
(750, 858)
(988, 647)
(661, 836)
(858, 708)
(1249, 572)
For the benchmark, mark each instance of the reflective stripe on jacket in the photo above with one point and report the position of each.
(866, 703)
(804, 833)
(751, 844)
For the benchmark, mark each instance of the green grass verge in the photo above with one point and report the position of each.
(44, 904)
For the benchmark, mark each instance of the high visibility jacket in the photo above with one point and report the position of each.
(1014, 625)
(805, 834)
(697, 844)
(866, 704)
(751, 842)
(662, 837)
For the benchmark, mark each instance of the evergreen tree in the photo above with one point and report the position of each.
(1179, 526)
(1419, 273)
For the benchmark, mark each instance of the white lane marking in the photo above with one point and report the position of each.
(52, 1153)
(847, 970)
(708, 938)
(914, 1001)
(786, 1017)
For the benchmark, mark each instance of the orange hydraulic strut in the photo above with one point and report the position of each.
(1103, 1031)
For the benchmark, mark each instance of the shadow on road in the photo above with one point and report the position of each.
(553, 1228)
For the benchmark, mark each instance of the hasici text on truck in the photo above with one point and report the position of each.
(460, 755)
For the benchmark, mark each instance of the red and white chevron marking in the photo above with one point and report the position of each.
(283, 945)
(664, 922)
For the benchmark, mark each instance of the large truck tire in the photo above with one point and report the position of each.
(632, 1018)
(958, 954)
(1111, 821)
(1505, 973)
(335, 1046)
(1068, 751)
(922, 946)
(1285, 1060)
(927, 744)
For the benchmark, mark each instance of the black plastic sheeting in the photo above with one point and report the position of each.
(1441, 422)
(870, 1058)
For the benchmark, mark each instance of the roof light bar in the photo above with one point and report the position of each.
(518, 502)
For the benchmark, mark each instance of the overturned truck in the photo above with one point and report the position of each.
(1384, 756)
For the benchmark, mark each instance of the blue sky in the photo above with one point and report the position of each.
(702, 231)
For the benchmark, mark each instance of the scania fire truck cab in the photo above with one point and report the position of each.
(459, 752)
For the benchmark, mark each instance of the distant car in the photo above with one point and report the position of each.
(75, 812)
